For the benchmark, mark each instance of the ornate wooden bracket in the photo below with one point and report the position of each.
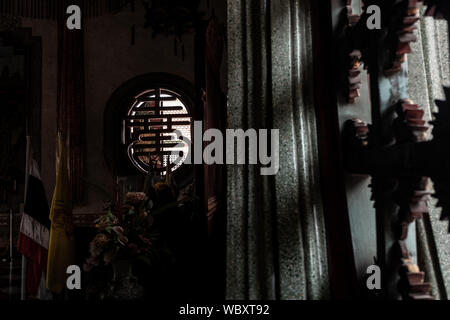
(412, 285)
(351, 55)
(410, 159)
(401, 35)
(360, 46)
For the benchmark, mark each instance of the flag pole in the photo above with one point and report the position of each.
(24, 260)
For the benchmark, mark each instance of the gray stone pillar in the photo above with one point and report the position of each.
(429, 71)
(276, 246)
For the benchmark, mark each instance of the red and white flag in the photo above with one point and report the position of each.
(34, 230)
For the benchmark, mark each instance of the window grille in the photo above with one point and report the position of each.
(149, 130)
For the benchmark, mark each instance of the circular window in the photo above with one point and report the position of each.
(148, 130)
(140, 120)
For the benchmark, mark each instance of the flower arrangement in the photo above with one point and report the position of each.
(125, 233)
(137, 232)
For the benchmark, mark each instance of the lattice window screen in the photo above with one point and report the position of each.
(149, 130)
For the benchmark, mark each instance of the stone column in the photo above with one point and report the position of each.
(276, 245)
(429, 71)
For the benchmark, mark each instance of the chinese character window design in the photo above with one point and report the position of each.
(148, 130)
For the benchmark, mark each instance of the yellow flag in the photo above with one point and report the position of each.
(61, 248)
